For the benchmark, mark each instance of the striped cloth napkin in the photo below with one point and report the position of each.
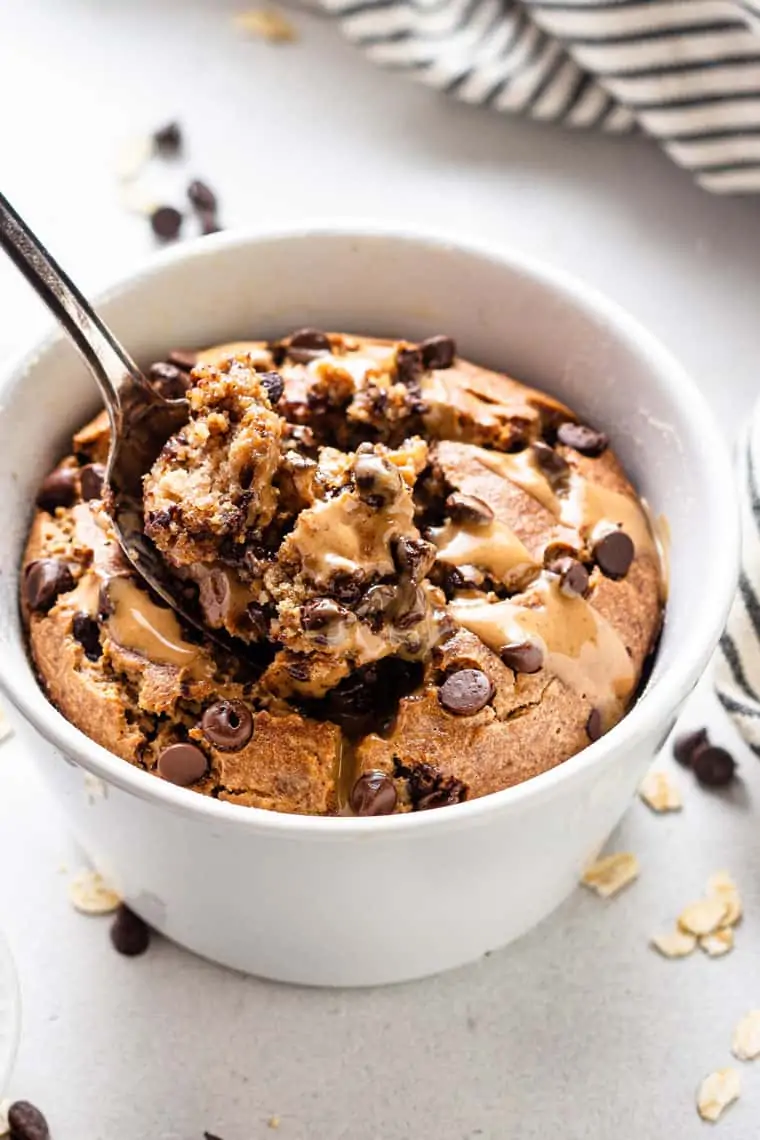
(685, 72)
(737, 669)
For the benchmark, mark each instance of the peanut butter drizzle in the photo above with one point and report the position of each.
(580, 647)
(344, 534)
(583, 507)
(520, 469)
(138, 624)
(493, 547)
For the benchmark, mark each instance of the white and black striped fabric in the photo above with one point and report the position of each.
(686, 72)
(737, 672)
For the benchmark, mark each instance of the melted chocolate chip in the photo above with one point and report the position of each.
(573, 576)
(166, 222)
(91, 480)
(228, 725)
(347, 586)
(438, 352)
(26, 1122)
(409, 367)
(594, 725)
(550, 462)
(129, 934)
(614, 553)
(378, 482)
(273, 384)
(374, 793)
(201, 196)
(582, 438)
(258, 620)
(714, 767)
(321, 612)
(374, 604)
(168, 139)
(59, 489)
(44, 580)
(169, 380)
(428, 787)
(466, 692)
(305, 344)
(687, 744)
(468, 509)
(522, 656)
(413, 557)
(182, 764)
(87, 632)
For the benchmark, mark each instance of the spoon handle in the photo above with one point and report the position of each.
(108, 361)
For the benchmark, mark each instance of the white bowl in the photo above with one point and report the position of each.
(368, 901)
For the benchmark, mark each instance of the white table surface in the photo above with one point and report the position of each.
(580, 1030)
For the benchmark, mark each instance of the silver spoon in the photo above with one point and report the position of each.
(141, 419)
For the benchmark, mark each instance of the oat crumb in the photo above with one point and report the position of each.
(90, 894)
(703, 917)
(660, 793)
(267, 23)
(721, 885)
(133, 155)
(716, 1092)
(611, 873)
(745, 1043)
(718, 943)
(674, 944)
(273, 1122)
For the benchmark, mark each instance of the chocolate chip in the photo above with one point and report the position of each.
(428, 787)
(129, 934)
(573, 576)
(305, 344)
(375, 602)
(347, 586)
(184, 358)
(409, 367)
(91, 480)
(228, 725)
(413, 557)
(168, 139)
(321, 612)
(201, 195)
(87, 632)
(211, 1136)
(522, 656)
(44, 580)
(550, 462)
(374, 793)
(582, 438)
(27, 1122)
(463, 508)
(273, 384)
(714, 767)
(182, 764)
(438, 352)
(378, 482)
(613, 554)
(594, 725)
(169, 380)
(166, 222)
(687, 744)
(465, 692)
(209, 222)
(59, 489)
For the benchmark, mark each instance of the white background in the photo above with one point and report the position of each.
(579, 1031)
